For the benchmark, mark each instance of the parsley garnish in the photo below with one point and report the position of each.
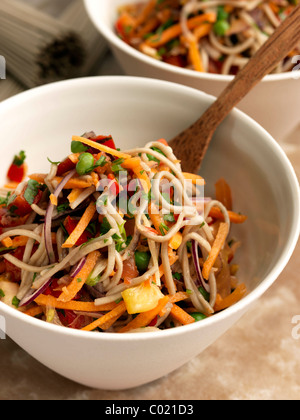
(20, 158)
(31, 191)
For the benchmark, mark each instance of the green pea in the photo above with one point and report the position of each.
(86, 161)
(198, 316)
(221, 27)
(142, 260)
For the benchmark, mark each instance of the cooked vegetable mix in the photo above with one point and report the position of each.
(215, 36)
(116, 241)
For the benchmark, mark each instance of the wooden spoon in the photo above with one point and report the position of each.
(191, 145)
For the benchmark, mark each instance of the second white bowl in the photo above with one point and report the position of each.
(274, 103)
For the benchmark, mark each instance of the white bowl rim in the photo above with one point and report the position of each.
(113, 38)
(247, 300)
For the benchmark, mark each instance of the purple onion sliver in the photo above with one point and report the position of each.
(49, 214)
(32, 296)
(201, 282)
(76, 270)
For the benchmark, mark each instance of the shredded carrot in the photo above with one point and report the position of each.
(275, 8)
(148, 27)
(74, 157)
(145, 13)
(131, 163)
(135, 165)
(107, 320)
(163, 141)
(224, 194)
(181, 316)
(70, 291)
(178, 297)
(202, 30)
(101, 147)
(18, 241)
(196, 179)
(7, 242)
(73, 183)
(234, 217)
(216, 249)
(11, 185)
(82, 225)
(52, 302)
(35, 311)
(53, 199)
(175, 31)
(195, 56)
(145, 318)
(176, 241)
(172, 260)
(155, 217)
(74, 194)
(230, 300)
(95, 178)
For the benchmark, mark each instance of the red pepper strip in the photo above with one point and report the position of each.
(115, 187)
(105, 141)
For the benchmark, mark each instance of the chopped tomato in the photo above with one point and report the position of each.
(115, 187)
(17, 170)
(176, 60)
(7, 220)
(14, 272)
(65, 166)
(153, 322)
(71, 319)
(53, 289)
(70, 225)
(16, 173)
(20, 207)
(130, 270)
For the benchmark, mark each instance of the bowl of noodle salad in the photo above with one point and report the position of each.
(203, 44)
(109, 248)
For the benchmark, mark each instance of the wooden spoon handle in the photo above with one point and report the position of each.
(279, 45)
(191, 145)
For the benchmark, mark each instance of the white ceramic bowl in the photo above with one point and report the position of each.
(135, 111)
(274, 103)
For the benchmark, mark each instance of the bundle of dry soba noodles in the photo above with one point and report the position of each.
(45, 41)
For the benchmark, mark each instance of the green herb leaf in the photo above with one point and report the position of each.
(20, 158)
(31, 191)
(15, 302)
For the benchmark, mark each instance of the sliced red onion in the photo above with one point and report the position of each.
(31, 296)
(76, 270)
(49, 214)
(200, 281)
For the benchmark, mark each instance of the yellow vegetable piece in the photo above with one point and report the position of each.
(176, 241)
(142, 298)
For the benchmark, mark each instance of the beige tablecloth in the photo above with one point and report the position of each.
(257, 359)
